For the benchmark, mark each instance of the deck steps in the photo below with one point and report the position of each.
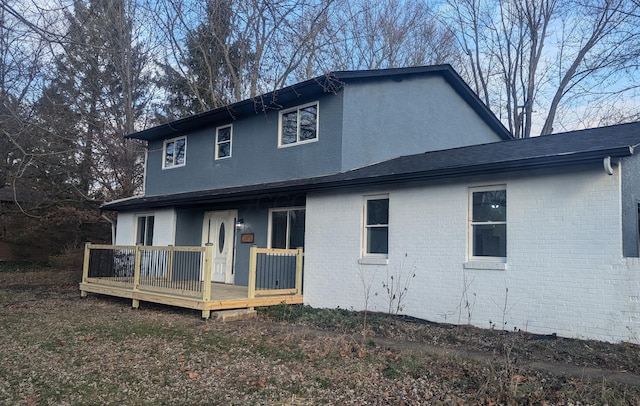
(234, 315)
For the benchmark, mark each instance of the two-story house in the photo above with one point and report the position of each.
(403, 177)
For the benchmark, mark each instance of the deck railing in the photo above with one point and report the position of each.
(275, 271)
(172, 270)
(181, 276)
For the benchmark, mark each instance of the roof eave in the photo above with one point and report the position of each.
(342, 181)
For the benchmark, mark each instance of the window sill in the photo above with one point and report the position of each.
(490, 266)
(164, 168)
(373, 261)
(293, 144)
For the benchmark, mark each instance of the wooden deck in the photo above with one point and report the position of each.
(150, 274)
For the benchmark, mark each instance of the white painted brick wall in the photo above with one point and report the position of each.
(565, 272)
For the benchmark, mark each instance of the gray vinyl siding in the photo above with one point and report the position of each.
(386, 119)
(255, 157)
(189, 227)
(630, 168)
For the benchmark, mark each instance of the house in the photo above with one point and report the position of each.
(400, 181)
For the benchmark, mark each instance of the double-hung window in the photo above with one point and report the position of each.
(286, 228)
(298, 125)
(144, 230)
(488, 223)
(223, 141)
(175, 152)
(376, 226)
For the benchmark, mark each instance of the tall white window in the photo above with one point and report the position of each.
(223, 141)
(298, 125)
(174, 152)
(286, 228)
(488, 223)
(376, 226)
(144, 230)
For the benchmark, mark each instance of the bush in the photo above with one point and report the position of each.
(70, 258)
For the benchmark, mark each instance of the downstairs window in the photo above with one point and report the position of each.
(488, 223)
(286, 228)
(376, 226)
(144, 230)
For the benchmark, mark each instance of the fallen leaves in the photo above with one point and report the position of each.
(85, 355)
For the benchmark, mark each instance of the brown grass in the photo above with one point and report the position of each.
(56, 348)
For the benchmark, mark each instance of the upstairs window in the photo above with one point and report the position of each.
(144, 230)
(175, 151)
(488, 223)
(376, 226)
(286, 228)
(223, 141)
(298, 125)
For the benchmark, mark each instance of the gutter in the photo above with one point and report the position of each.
(357, 179)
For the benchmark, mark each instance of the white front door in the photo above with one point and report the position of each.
(218, 230)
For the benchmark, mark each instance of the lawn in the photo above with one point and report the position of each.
(59, 349)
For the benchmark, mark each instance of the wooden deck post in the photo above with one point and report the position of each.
(206, 273)
(170, 252)
(136, 275)
(253, 260)
(85, 267)
(299, 260)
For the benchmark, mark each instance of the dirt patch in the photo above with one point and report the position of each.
(56, 348)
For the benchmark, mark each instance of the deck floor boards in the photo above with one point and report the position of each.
(223, 296)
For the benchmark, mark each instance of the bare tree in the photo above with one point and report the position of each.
(607, 34)
(530, 58)
(385, 34)
(224, 51)
(22, 59)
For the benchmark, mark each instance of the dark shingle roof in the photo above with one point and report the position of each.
(329, 83)
(565, 149)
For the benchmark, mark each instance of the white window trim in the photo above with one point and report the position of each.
(368, 258)
(230, 126)
(164, 153)
(297, 108)
(482, 262)
(135, 225)
(269, 226)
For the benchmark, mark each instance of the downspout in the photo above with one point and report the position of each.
(144, 170)
(113, 228)
(608, 168)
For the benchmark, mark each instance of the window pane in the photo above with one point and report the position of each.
(290, 127)
(296, 228)
(224, 150)
(221, 235)
(490, 205)
(490, 240)
(308, 116)
(140, 230)
(179, 153)
(378, 211)
(224, 134)
(279, 229)
(377, 240)
(149, 234)
(168, 157)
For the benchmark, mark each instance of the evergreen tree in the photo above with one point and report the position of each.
(202, 79)
(96, 97)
